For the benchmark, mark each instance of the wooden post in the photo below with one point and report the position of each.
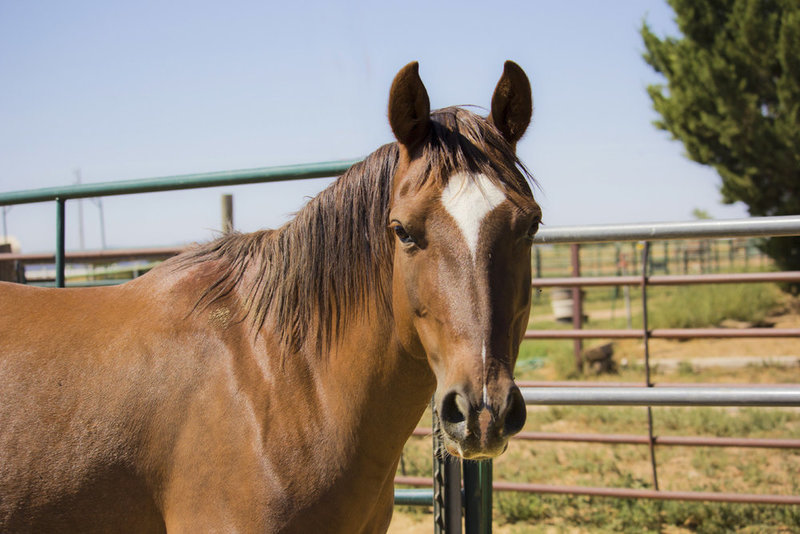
(227, 214)
(7, 267)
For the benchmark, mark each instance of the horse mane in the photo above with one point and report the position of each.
(334, 258)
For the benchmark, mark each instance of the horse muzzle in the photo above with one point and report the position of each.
(478, 428)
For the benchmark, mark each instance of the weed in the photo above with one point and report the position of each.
(685, 368)
(517, 507)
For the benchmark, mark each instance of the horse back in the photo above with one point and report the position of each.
(91, 387)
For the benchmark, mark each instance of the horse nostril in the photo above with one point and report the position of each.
(450, 412)
(516, 413)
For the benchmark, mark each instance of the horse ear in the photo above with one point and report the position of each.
(512, 104)
(409, 107)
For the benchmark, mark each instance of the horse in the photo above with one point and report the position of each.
(267, 382)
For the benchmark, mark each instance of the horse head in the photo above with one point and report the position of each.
(462, 217)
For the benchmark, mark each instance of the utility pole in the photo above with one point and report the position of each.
(102, 223)
(81, 240)
(99, 203)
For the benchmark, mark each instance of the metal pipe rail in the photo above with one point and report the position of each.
(664, 333)
(170, 183)
(179, 182)
(675, 441)
(635, 439)
(662, 495)
(599, 384)
(787, 225)
(95, 256)
(413, 497)
(773, 396)
(666, 280)
(419, 497)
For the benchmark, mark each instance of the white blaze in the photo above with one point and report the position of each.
(485, 387)
(469, 199)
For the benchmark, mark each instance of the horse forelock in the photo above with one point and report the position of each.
(462, 141)
(333, 260)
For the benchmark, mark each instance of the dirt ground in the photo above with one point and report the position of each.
(411, 524)
(722, 353)
(423, 524)
(668, 354)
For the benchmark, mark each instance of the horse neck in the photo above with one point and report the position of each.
(366, 394)
(390, 385)
(343, 336)
(360, 385)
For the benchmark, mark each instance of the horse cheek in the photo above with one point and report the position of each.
(405, 300)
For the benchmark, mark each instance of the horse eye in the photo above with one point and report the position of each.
(534, 227)
(402, 235)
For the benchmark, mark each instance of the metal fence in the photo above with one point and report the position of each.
(646, 394)
(476, 495)
(60, 195)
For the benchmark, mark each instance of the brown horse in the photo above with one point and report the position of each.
(267, 382)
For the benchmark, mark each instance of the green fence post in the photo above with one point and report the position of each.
(447, 504)
(60, 247)
(477, 497)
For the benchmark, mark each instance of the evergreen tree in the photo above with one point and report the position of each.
(733, 98)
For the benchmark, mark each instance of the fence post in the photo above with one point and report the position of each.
(477, 496)
(227, 214)
(7, 268)
(746, 254)
(60, 267)
(577, 306)
(447, 504)
(648, 381)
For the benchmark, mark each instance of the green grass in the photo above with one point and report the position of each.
(543, 513)
(742, 422)
(692, 306)
(557, 353)
(709, 305)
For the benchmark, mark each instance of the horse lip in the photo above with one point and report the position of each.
(479, 457)
(453, 451)
(469, 449)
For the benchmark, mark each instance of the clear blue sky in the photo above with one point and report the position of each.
(124, 90)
